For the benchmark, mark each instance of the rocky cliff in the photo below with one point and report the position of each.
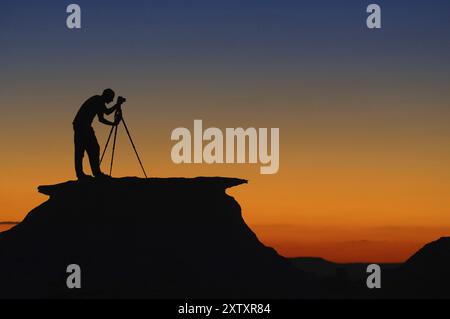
(143, 238)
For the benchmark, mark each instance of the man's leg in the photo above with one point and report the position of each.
(93, 151)
(79, 154)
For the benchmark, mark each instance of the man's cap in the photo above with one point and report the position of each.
(108, 92)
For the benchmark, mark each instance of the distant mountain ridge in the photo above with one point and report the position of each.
(324, 268)
(5, 225)
(426, 274)
(436, 251)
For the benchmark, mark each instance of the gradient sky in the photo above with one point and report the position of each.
(363, 114)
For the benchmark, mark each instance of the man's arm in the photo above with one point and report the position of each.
(111, 109)
(102, 119)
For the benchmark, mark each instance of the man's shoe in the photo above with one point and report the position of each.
(102, 176)
(82, 176)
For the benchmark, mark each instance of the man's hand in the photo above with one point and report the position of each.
(121, 100)
(116, 107)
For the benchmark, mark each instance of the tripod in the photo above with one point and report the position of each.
(114, 128)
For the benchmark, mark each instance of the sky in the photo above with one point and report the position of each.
(363, 114)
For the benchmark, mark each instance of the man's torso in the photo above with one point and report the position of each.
(88, 111)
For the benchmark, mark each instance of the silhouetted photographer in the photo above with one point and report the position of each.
(84, 137)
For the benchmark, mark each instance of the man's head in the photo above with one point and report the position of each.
(108, 95)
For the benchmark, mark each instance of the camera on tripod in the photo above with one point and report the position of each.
(121, 100)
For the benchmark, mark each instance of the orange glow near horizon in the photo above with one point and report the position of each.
(367, 187)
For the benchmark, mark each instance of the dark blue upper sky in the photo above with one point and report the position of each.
(235, 44)
(279, 34)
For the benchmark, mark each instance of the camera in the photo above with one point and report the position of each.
(121, 99)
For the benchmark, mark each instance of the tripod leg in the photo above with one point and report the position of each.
(134, 147)
(113, 149)
(106, 145)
